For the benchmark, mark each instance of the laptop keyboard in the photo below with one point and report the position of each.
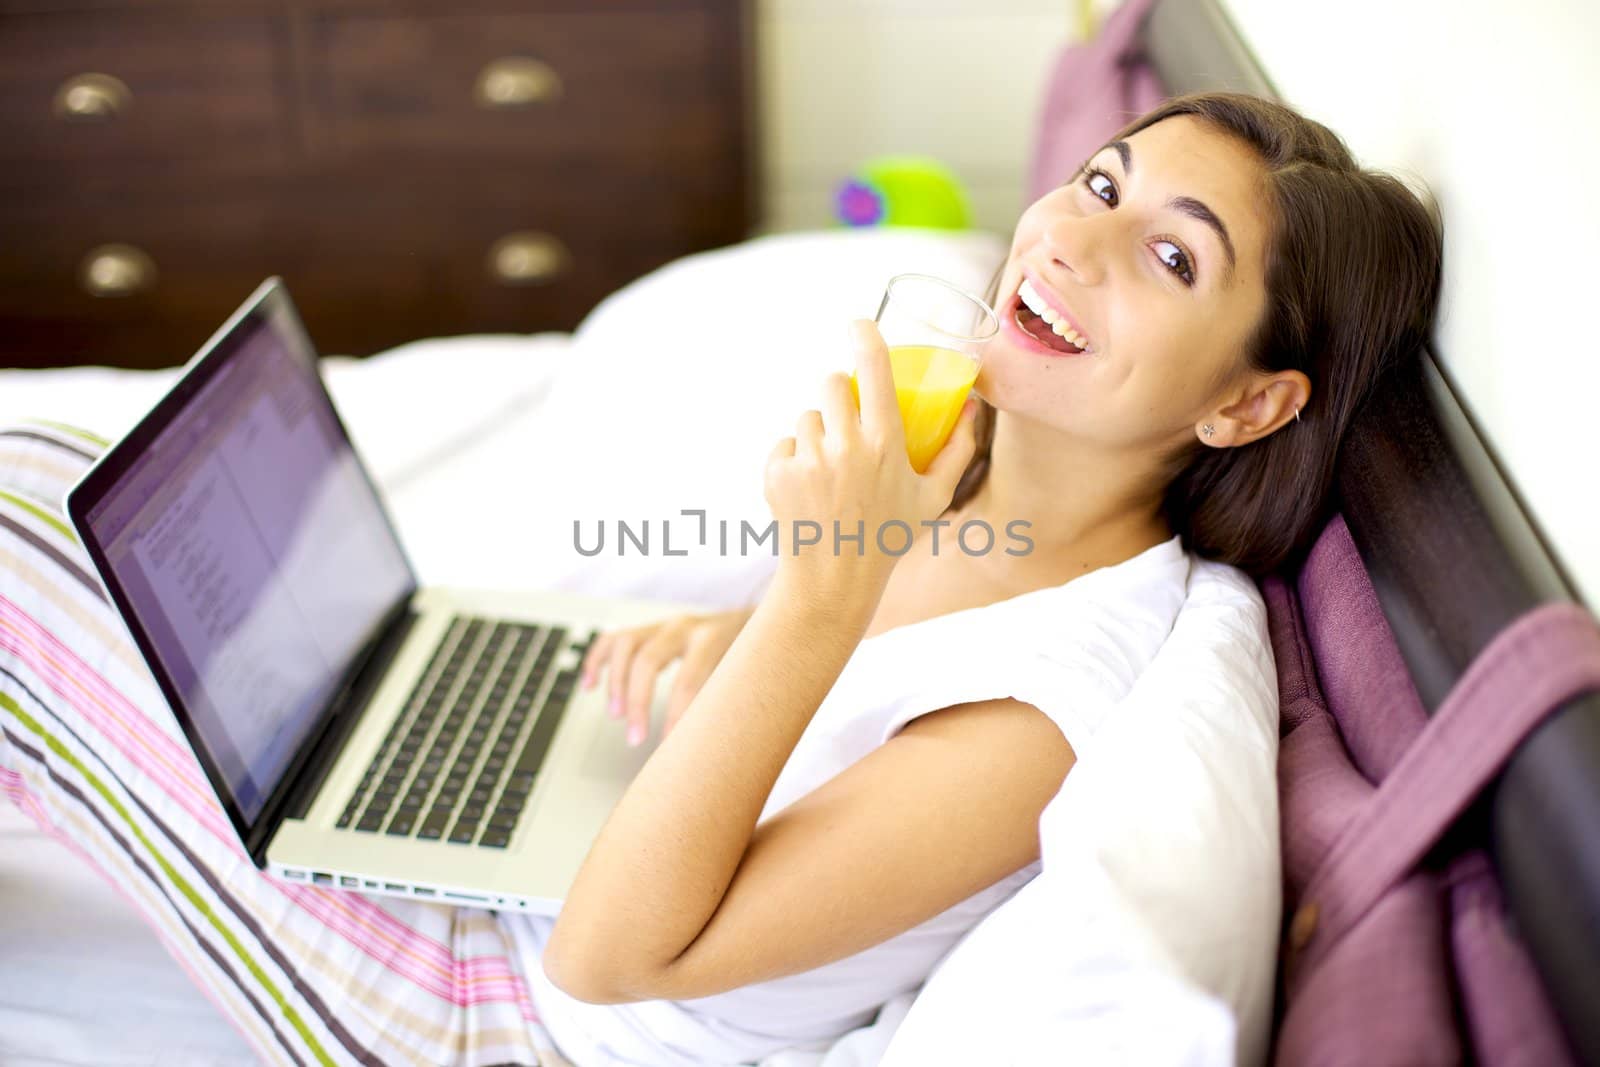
(461, 759)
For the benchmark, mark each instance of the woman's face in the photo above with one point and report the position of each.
(1164, 301)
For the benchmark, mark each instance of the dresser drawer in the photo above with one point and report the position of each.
(141, 276)
(634, 87)
(101, 94)
(349, 307)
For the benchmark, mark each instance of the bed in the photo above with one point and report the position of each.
(438, 451)
(446, 425)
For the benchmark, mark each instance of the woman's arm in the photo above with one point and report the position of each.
(661, 864)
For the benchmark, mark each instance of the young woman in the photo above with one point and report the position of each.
(855, 767)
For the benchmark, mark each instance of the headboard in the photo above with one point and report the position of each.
(1453, 558)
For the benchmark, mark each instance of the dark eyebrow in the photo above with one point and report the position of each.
(1187, 205)
(1126, 152)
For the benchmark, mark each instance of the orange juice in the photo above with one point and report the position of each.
(931, 384)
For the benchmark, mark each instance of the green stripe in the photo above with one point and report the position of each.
(82, 435)
(40, 513)
(177, 880)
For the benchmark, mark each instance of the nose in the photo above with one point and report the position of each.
(1082, 245)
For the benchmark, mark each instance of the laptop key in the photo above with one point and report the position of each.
(402, 824)
(510, 808)
(462, 835)
(433, 826)
(370, 822)
(495, 838)
(533, 753)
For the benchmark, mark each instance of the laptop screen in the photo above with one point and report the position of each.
(254, 553)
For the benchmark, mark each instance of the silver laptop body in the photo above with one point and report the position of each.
(361, 732)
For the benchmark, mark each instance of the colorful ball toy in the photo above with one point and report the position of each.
(903, 191)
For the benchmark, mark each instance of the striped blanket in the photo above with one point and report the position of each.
(91, 752)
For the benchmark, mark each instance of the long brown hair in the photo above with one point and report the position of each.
(1353, 267)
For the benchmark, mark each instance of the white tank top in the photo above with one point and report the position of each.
(1072, 650)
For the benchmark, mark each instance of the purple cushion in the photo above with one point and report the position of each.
(1096, 88)
(1366, 683)
(1433, 972)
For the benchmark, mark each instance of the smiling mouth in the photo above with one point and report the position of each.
(1039, 330)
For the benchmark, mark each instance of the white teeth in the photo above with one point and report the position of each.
(1063, 330)
(1035, 303)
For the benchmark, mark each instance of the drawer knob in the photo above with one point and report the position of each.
(528, 257)
(516, 81)
(116, 270)
(92, 97)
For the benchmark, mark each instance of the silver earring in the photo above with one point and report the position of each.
(1208, 429)
(1297, 413)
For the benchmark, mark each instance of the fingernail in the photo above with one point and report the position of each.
(615, 708)
(635, 734)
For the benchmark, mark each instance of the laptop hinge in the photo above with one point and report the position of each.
(296, 801)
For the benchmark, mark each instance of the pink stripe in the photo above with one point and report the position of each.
(399, 952)
(346, 913)
(180, 761)
(17, 790)
(94, 713)
(100, 703)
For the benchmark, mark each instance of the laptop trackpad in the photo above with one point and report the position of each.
(610, 757)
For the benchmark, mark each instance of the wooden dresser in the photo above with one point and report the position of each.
(411, 168)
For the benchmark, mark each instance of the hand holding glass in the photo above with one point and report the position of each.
(936, 333)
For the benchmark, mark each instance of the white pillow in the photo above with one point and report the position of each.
(1150, 935)
(675, 390)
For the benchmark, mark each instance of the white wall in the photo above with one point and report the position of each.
(1496, 106)
(840, 81)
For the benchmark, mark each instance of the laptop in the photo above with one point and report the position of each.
(361, 731)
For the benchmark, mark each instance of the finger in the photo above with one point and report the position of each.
(808, 431)
(623, 646)
(947, 467)
(594, 658)
(840, 417)
(653, 655)
(880, 411)
(784, 449)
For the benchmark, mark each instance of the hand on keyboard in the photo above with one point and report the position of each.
(635, 657)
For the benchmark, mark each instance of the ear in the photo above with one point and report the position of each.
(1267, 402)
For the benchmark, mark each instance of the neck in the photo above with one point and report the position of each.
(1087, 507)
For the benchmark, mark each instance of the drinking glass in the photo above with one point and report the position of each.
(936, 333)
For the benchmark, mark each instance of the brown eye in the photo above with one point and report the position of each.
(1182, 267)
(1099, 182)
